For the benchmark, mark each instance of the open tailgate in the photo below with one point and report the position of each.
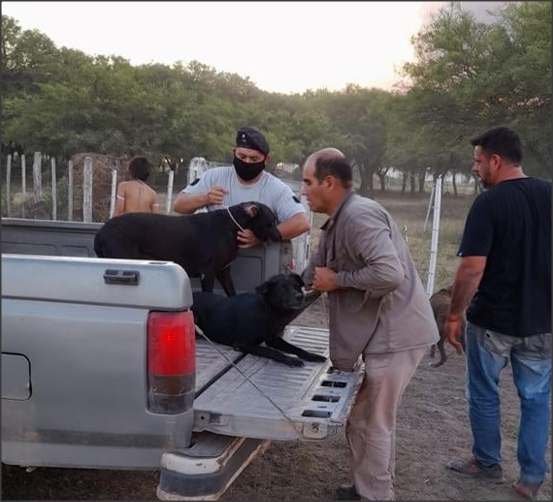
(286, 403)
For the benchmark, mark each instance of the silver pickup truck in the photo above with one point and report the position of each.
(101, 367)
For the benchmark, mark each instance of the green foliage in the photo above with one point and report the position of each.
(467, 76)
(470, 76)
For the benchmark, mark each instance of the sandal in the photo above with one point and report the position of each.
(474, 468)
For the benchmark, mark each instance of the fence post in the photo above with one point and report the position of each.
(70, 190)
(113, 192)
(87, 190)
(170, 190)
(435, 236)
(23, 183)
(54, 190)
(430, 203)
(37, 176)
(8, 185)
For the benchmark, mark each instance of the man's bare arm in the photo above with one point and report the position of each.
(294, 226)
(467, 279)
(187, 203)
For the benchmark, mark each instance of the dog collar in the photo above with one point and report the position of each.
(234, 220)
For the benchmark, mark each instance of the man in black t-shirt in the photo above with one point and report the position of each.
(504, 279)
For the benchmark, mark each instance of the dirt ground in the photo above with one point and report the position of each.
(432, 425)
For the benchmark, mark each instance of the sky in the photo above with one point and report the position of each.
(281, 46)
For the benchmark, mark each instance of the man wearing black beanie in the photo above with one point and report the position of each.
(247, 180)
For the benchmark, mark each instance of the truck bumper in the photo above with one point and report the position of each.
(207, 468)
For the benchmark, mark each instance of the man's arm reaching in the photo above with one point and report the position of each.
(467, 279)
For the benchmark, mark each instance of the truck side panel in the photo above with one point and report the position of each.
(87, 367)
(62, 238)
(81, 397)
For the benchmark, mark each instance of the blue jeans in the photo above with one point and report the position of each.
(487, 353)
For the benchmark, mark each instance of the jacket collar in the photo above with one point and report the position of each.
(328, 224)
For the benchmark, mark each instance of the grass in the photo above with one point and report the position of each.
(409, 213)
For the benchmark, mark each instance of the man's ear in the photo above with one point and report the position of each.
(267, 158)
(251, 209)
(329, 181)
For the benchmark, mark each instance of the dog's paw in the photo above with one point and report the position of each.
(314, 358)
(293, 361)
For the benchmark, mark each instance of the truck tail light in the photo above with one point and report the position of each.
(171, 361)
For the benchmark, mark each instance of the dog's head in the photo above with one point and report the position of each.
(261, 221)
(440, 301)
(444, 292)
(283, 292)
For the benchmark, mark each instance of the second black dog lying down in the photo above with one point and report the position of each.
(204, 244)
(246, 320)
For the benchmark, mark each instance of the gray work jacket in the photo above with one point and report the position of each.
(381, 305)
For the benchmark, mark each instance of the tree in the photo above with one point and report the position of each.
(27, 57)
(359, 117)
(467, 76)
(470, 76)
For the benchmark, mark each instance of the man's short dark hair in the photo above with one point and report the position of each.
(335, 166)
(139, 167)
(501, 141)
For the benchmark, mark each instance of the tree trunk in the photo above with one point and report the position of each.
(476, 184)
(413, 182)
(422, 179)
(363, 186)
(382, 179)
(454, 181)
(367, 182)
(404, 181)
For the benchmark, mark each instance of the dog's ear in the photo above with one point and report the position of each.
(299, 280)
(263, 289)
(266, 287)
(251, 209)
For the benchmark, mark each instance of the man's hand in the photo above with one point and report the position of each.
(247, 239)
(453, 332)
(324, 279)
(215, 195)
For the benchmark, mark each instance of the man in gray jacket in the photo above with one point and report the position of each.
(378, 310)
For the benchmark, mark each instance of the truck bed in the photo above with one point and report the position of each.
(282, 403)
(261, 398)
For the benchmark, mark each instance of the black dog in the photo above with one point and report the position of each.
(204, 244)
(245, 321)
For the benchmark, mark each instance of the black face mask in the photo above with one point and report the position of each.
(247, 171)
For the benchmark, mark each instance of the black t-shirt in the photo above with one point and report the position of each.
(510, 224)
